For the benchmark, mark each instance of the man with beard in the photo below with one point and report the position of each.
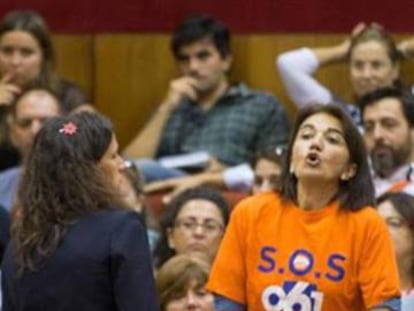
(203, 111)
(388, 118)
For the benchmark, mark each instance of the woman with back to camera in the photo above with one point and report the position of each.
(71, 247)
(317, 244)
(398, 211)
(27, 57)
(373, 61)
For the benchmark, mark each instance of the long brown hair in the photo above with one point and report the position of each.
(34, 24)
(61, 182)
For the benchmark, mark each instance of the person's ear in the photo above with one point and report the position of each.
(170, 238)
(396, 71)
(9, 119)
(10, 122)
(227, 62)
(292, 169)
(349, 172)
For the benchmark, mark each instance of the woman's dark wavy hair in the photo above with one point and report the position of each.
(353, 194)
(34, 24)
(162, 251)
(61, 182)
(404, 205)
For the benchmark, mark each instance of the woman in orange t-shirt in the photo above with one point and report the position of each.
(317, 244)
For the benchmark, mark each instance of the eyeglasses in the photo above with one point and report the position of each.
(190, 225)
(395, 222)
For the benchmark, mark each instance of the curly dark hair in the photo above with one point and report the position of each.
(162, 251)
(61, 181)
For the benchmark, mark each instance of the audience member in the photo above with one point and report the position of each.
(388, 120)
(373, 61)
(181, 281)
(398, 211)
(264, 175)
(203, 112)
(193, 221)
(267, 169)
(26, 116)
(71, 247)
(27, 56)
(318, 244)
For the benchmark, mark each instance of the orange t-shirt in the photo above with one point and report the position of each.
(276, 256)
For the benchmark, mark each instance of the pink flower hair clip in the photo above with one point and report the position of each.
(69, 128)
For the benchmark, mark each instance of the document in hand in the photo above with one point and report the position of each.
(194, 160)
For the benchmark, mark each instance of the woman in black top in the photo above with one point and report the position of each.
(71, 248)
(4, 230)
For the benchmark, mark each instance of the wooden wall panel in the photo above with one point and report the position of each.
(132, 72)
(407, 66)
(75, 59)
(255, 57)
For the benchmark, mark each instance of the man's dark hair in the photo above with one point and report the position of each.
(196, 28)
(405, 97)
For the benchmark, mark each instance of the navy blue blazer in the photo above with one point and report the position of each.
(4, 230)
(102, 263)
